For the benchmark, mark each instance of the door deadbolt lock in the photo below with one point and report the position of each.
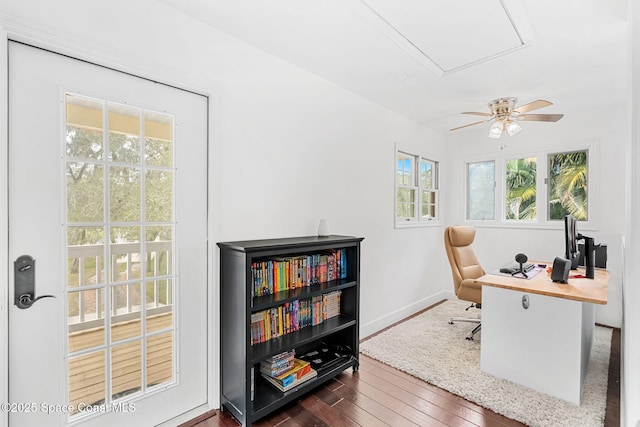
(25, 282)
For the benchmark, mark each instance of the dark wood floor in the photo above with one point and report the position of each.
(378, 395)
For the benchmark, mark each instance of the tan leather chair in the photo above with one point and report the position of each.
(465, 267)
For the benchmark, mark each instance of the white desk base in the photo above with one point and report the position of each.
(545, 347)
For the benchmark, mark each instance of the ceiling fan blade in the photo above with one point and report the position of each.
(475, 113)
(470, 124)
(541, 117)
(540, 103)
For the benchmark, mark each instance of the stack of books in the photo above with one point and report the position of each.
(298, 372)
(278, 364)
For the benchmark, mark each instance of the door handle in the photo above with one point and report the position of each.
(24, 268)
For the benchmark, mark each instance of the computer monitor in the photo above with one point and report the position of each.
(571, 238)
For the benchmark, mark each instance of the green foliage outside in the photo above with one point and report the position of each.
(568, 185)
(521, 189)
(406, 192)
(86, 179)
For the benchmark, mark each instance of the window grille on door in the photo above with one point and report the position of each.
(120, 250)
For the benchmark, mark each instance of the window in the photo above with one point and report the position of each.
(120, 250)
(416, 188)
(559, 186)
(521, 189)
(481, 181)
(568, 185)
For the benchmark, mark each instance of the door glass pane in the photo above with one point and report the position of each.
(159, 358)
(85, 256)
(159, 250)
(125, 311)
(124, 194)
(85, 318)
(85, 192)
(125, 254)
(124, 134)
(120, 341)
(158, 195)
(159, 305)
(84, 127)
(158, 147)
(126, 369)
(87, 379)
(481, 191)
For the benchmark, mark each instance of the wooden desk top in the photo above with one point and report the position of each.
(587, 290)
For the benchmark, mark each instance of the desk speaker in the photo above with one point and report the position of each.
(560, 271)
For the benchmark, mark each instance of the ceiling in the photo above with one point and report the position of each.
(430, 60)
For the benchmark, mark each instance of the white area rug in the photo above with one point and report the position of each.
(427, 347)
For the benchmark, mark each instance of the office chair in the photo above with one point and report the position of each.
(464, 268)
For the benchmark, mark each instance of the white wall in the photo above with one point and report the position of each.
(293, 149)
(288, 148)
(631, 329)
(602, 127)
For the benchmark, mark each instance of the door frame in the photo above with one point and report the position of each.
(13, 30)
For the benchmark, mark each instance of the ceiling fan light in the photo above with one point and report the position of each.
(495, 131)
(513, 128)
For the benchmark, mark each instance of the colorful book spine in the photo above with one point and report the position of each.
(286, 273)
(273, 275)
(293, 316)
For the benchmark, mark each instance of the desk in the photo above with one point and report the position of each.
(547, 345)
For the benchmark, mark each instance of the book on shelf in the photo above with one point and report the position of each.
(293, 315)
(278, 364)
(285, 355)
(299, 373)
(316, 303)
(309, 375)
(331, 304)
(277, 274)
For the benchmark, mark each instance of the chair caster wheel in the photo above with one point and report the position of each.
(469, 338)
(450, 322)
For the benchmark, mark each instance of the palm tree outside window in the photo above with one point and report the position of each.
(521, 189)
(568, 185)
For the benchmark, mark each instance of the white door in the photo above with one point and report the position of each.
(108, 197)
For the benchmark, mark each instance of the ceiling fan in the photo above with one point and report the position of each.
(506, 116)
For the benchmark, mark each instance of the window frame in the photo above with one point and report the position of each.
(417, 220)
(466, 188)
(589, 183)
(542, 187)
(503, 199)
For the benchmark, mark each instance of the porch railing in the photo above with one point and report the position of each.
(156, 290)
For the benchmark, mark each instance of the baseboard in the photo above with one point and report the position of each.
(402, 313)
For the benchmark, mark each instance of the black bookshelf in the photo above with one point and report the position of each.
(243, 391)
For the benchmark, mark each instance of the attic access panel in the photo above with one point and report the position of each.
(450, 35)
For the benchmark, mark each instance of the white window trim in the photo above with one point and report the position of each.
(418, 222)
(502, 212)
(541, 222)
(496, 167)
